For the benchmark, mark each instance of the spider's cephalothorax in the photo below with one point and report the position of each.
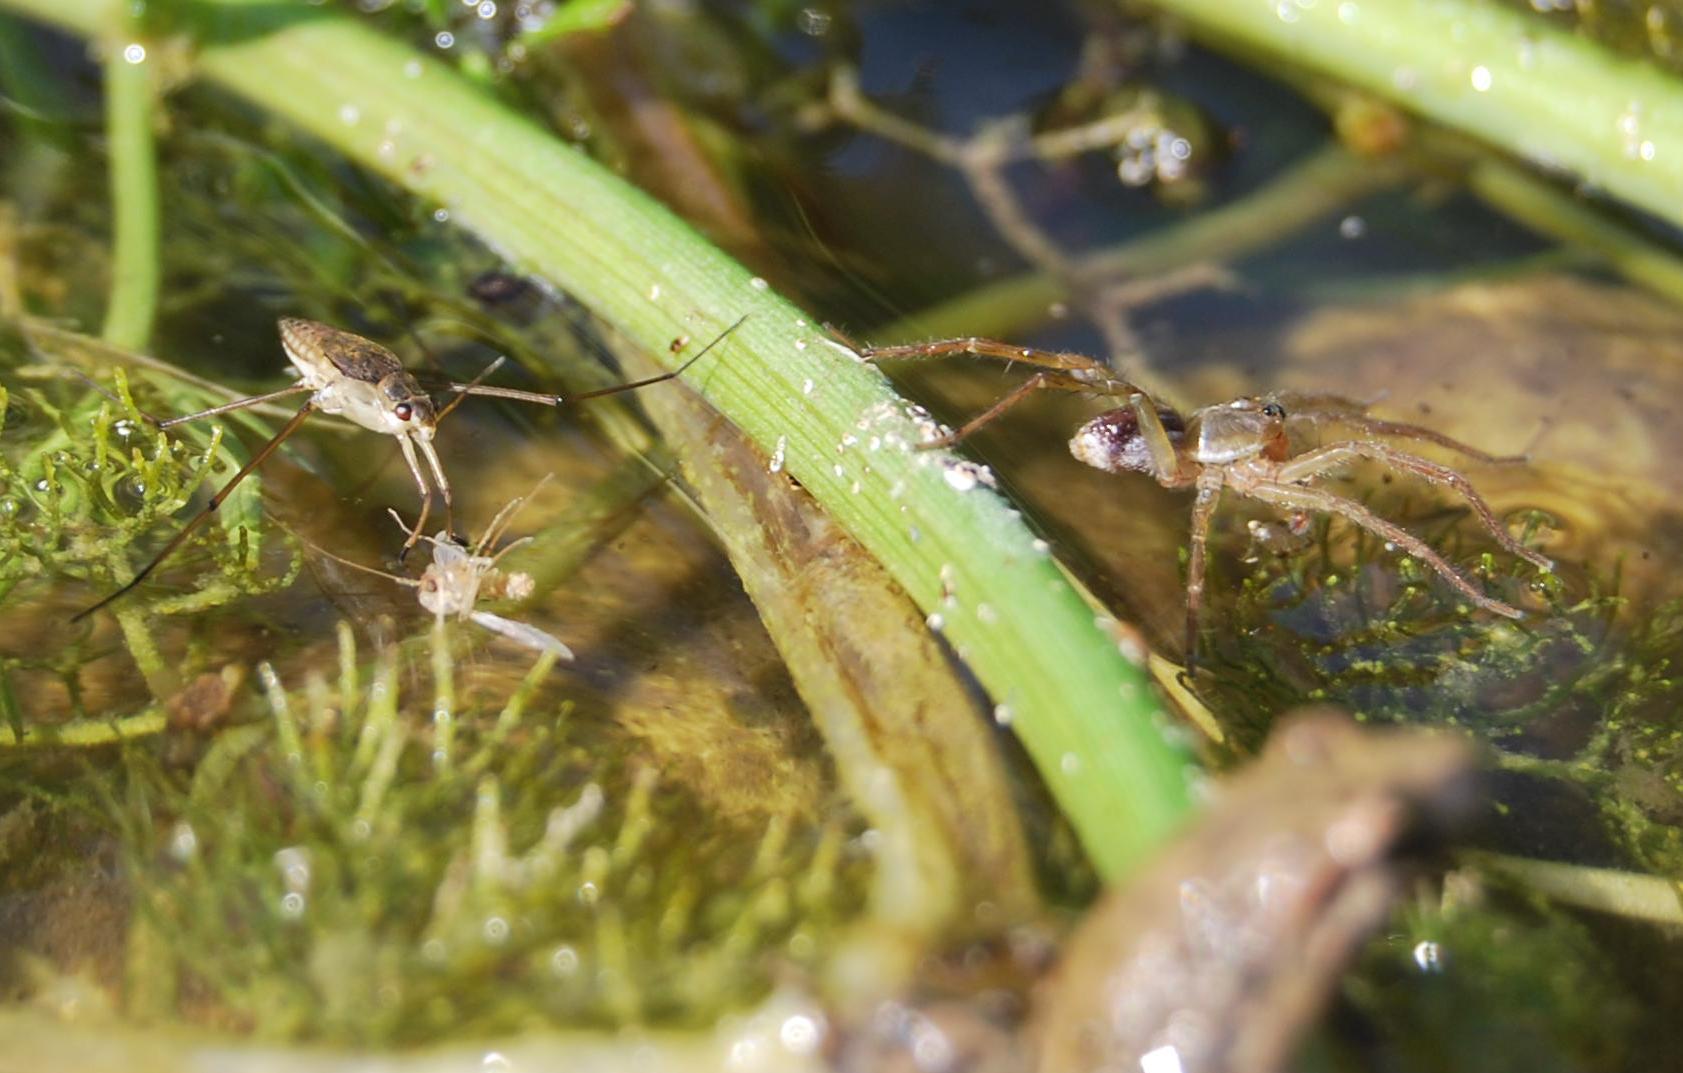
(1240, 445)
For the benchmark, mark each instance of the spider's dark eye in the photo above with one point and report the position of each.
(1274, 410)
(403, 411)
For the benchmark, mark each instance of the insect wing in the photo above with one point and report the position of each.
(522, 634)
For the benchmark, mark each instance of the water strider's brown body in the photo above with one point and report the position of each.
(363, 382)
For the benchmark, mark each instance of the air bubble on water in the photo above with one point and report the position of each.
(183, 841)
(564, 962)
(801, 1034)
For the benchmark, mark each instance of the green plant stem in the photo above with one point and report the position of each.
(1321, 184)
(1631, 895)
(1082, 710)
(1548, 210)
(1557, 100)
(85, 733)
(129, 94)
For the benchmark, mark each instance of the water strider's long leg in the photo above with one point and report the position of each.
(545, 399)
(1203, 509)
(210, 508)
(1316, 462)
(1296, 497)
(406, 443)
(228, 407)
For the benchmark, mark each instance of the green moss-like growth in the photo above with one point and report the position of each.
(1583, 690)
(334, 871)
(1492, 984)
(88, 484)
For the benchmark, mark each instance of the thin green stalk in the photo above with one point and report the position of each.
(129, 94)
(1083, 711)
(1559, 101)
(1322, 184)
(1631, 895)
(1550, 211)
(85, 733)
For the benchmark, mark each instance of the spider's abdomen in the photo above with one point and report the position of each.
(1112, 441)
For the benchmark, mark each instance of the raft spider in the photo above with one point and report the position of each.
(1240, 445)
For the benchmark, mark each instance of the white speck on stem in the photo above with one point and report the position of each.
(777, 455)
(135, 53)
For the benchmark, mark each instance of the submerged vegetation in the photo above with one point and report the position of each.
(838, 706)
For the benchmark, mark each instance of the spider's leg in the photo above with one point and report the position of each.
(1353, 414)
(1313, 463)
(1203, 508)
(1296, 497)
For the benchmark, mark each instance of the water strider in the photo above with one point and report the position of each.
(358, 379)
(459, 576)
(1241, 445)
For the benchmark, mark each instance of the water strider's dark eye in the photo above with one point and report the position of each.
(404, 411)
(1274, 410)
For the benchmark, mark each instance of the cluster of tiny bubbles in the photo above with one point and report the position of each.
(1152, 154)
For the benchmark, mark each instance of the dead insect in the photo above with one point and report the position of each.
(460, 576)
(1240, 445)
(362, 381)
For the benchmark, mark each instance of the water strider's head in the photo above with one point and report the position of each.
(408, 410)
